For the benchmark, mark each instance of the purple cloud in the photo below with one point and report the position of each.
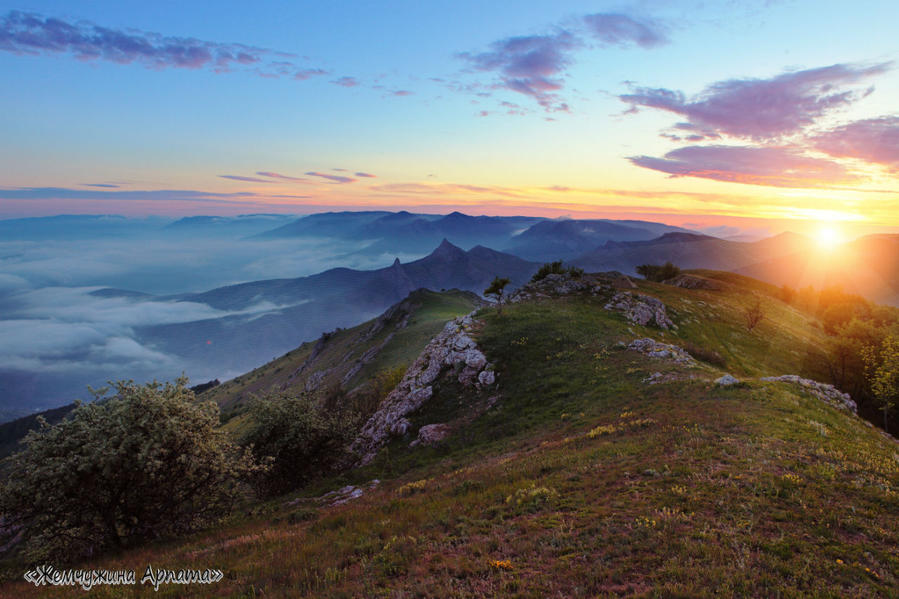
(531, 65)
(772, 166)
(401, 92)
(346, 82)
(333, 178)
(241, 178)
(304, 74)
(615, 29)
(762, 109)
(103, 185)
(28, 33)
(366, 175)
(872, 140)
(272, 175)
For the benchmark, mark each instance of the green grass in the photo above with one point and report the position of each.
(583, 481)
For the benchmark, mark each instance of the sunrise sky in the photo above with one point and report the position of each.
(729, 114)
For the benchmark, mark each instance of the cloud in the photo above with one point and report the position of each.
(615, 29)
(333, 178)
(366, 175)
(304, 74)
(34, 34)
(242, 178)
(770, 166)
(872, 140)
(532, 65)
(279, 176)
(104, 185)
(402, 92)
(762, 109)
(346, 81)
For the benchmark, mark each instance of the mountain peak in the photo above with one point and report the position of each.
(446, 248)
(396, 262)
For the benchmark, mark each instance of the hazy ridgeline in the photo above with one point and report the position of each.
(85, 299)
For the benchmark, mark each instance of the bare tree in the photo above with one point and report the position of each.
(753, 315)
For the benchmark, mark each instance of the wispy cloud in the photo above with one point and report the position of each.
(769, 166)
(616, 29)
(304, 74)
(871, 140)
(332, 178)
(531, 65)
(762, 109)
(366, 175)
(272, 175)
(536, 65)
(346, 81)
(247, 179)
(30, 33)
(102, 185)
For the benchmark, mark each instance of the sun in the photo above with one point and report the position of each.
(828, 237)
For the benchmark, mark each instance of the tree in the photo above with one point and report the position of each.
(145, 463)
(299, 439)
(753, 314)
(882, 371)
(496, 289)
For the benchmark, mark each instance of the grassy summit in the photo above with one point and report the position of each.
(590, 475)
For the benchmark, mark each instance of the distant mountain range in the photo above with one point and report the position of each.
(291, 311)
(528, 237)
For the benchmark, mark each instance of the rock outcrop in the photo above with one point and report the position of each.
(822, 391)
(553, 285)
(656, 349)
(727, 380)
(641, 309)
(453, 348)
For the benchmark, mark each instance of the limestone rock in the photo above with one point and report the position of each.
(487, 378)
(432, 434)
(641, 309)
(823, 391)
(656, 349)
(727, 380)
(452, 349)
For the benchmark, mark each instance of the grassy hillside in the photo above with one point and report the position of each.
(346, 359)
(585, 480)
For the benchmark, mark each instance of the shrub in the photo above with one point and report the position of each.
(145, 463)
(658, 273)
(297, 439)
(556, 268)
(753, 314)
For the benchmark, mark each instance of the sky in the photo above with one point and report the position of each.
(757, 115)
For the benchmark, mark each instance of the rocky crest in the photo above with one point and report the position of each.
(823, 391)
(559, 284)
(454, 348)
(640, 309)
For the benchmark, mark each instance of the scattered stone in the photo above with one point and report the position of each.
(452, 348)
(641, 309)
(657, 378)
(487, 378)
(664, 351)
(727, 380)
(431, 434)
(823, 391)
(340, 496)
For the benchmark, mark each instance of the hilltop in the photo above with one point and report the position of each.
(606, 456)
